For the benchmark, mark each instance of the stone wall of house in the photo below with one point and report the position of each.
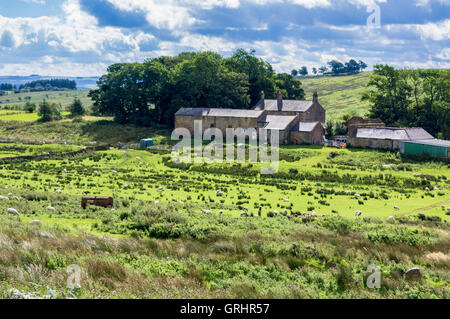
(314, 137)
(315, 114)
(222, 123)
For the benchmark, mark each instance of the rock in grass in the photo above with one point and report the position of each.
(13, 211)
(413, 273)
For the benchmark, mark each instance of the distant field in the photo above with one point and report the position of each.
(339, 94)
(17, 116)
(63, 97)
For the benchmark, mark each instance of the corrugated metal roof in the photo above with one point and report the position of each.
(305, 126)
(288, 105)
(433, 142)
(219, 112)
(392, 133)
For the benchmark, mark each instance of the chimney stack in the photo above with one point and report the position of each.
(280, 101)
(315, 97)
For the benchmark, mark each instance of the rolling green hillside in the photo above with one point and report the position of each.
(339, 94)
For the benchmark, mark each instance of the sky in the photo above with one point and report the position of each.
(84, 37)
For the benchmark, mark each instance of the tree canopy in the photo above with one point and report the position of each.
(419, 98)
(151, 92)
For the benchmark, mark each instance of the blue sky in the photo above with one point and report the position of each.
(83, 37)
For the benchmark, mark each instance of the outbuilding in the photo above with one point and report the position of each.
(308, 133)
(433, 148)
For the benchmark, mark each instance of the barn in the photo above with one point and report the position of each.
(433, 148)
(385, 137)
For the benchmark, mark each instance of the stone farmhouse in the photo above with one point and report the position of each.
(296, 121)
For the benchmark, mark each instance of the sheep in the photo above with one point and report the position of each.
(275, 212)
(357, 195)
(65, 170)
(220, 212)
(435, 188)
(15, 198)
(35, 222)
(347, 192)
(13, 211)
(160, 188)
(156, 202)
(358, 213)
(4, 198)
(50, 208)
(10, 194)
(427, 189)
(443, 206)
(115, 172)
(391, 217)
(207, 212)
(448, 209)
(314, 214)
(396, 207)
(125, 186)
(58, 191)
(285, 200)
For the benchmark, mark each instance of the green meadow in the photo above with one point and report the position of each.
(59, 97)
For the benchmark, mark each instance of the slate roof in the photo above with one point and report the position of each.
(392, 133)
(288, 105)
(219, 112)
(277, 122)
(305, 126)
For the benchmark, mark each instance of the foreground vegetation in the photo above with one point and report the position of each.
(177, 231)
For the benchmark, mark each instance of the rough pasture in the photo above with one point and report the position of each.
(176, 230)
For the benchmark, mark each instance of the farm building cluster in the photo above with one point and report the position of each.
(296, 121)
(303, 122)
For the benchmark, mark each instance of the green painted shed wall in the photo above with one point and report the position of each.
(422, 149)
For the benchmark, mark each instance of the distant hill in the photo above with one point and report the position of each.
(83, 83)
(339, 94)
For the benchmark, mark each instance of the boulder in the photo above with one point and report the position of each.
(413, 273)
(13, 211)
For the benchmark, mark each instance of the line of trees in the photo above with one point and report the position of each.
(49, 85)
(151, 92)
(411, 98)
(336, 67)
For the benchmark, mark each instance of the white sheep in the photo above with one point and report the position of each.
(13, 211)
(4, 198)
(114, 172)
(285, 200)
(435, 188)
(396, 207)
(10, 194)
(160, 188)
(125, 186)
(220, 212)
(448, 209)
(357, 195)
(51, 208)
(314, 213)
(156, 202)
(391, 217)
(358, 213)
(58, 191)
(245, 208)
(207, 212)
(35, 222)
(427, 189)
(275, 212)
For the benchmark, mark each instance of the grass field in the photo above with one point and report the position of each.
(158, 242)
(60, 97)
(339, 95)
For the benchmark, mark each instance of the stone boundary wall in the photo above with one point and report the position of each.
(84, 150)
